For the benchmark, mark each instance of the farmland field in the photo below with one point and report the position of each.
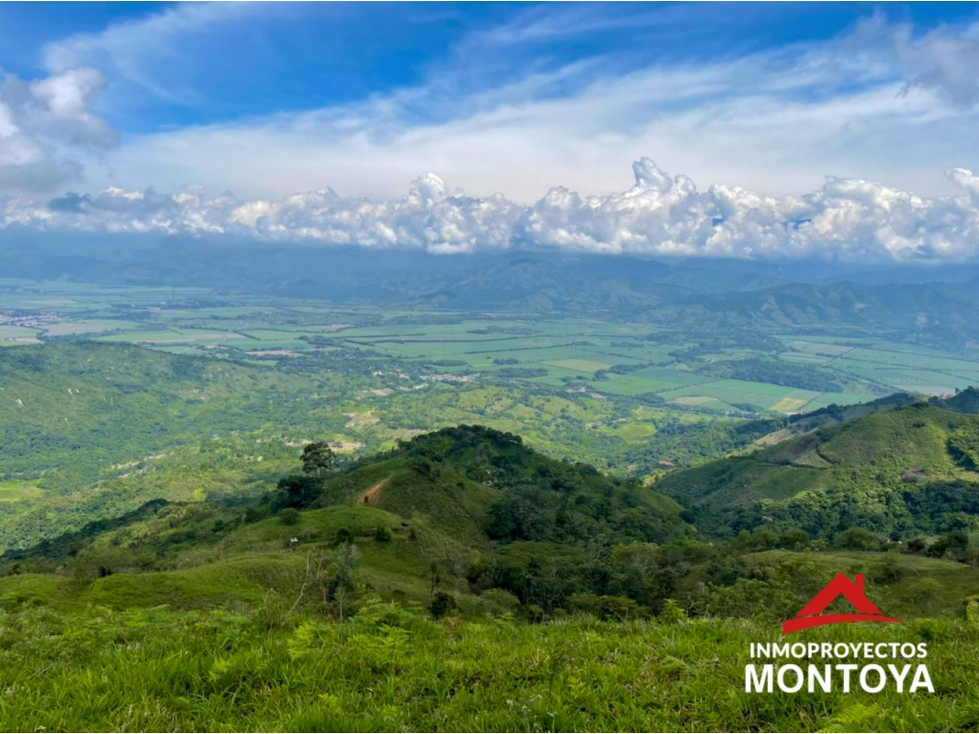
(142, 426)
(620, 393)
(612, 358)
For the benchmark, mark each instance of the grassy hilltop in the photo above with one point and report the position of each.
(476, 513)
(391, 669)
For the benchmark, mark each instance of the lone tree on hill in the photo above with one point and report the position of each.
(317, 458)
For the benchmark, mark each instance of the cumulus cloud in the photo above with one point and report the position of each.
(47, 128)
(848, 219)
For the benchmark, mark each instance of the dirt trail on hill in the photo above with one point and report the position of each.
(370, 496)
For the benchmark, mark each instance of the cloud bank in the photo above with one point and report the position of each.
(847, 219)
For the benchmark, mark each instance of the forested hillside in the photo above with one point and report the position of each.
(897, 473)
(474, 514)
(91, 431)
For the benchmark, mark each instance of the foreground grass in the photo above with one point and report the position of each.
(393, 669)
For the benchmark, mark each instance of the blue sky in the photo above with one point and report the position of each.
(226, 62)
(262, 101)
(169, 67)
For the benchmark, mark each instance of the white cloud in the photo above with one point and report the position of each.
(760, 130)
(849, 219)
(777, 121)
(46, 129)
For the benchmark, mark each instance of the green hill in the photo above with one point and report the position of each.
(803, 423)
(463, 504)
(411, 488)
(898, 472)
(476, 515)
(480, 484)
(70, 411)
(543, 577)
(966, 401)
(91, 431)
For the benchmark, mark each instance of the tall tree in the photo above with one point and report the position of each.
(317, 458)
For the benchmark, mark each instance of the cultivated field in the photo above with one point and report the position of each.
(602, 358)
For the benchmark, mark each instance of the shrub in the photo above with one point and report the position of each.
(725, 570)
(952, 545)
(887, 571)
(619, 608)
(253, 514)
(442, 604)
(289, 516)
(344, 535)
(672, 613)
(499, 601)
(382, 534)
(532, 613)
(794, 539)
(916, 545)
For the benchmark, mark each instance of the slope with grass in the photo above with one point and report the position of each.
(391, 669)
(205, 616)
(437, 511)
(897, 472)
(474, 482)
(92, 431)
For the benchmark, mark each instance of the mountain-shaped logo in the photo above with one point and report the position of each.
(811, 615)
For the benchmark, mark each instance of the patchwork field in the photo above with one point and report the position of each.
(900, 366)
(613, 359)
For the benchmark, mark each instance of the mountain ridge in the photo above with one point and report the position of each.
(874, 471)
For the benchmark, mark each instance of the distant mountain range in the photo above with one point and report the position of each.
(933, 304)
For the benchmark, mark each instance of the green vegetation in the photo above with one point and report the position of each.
(460, 580)
(898, 473)
(469, 511)
(515, 502)
(93, 431)
(775, 372)
(390, 668)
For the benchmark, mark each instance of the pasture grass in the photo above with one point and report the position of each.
(390, 668)
(18, 490)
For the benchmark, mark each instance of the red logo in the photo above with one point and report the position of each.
(811, 615)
